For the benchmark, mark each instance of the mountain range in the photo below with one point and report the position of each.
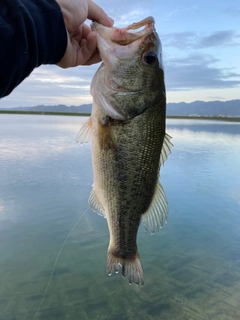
(197, 108)
(200, 108)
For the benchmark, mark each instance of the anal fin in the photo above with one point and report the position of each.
(95, 205)
(154, 217)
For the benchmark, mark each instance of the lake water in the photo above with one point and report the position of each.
(192, 266)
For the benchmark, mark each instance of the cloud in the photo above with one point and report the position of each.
(216, 97)
(188, 68)
(123, 20)
(190, 40)
(197, 72)
(219, 38)
(180, 40)
(177, 11)
(128, 12)
(125, 4)
(195, 58)
(52, 85)
(232, 11)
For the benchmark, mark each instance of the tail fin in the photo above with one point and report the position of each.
(131, 268)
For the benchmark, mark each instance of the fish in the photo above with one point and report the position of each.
(127, 128)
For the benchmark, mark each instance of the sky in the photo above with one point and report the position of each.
(201, 54)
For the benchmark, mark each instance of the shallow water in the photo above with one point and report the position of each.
(192, 266)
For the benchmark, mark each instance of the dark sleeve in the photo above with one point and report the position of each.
(32, 32)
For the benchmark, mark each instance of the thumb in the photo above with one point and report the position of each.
(96, 13)
(74, 12)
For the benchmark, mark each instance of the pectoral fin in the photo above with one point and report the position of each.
(157, 212)
(85, 133)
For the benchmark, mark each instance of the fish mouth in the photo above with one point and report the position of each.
(122, 36)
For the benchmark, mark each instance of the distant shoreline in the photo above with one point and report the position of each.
(220, 118)
(48, 113)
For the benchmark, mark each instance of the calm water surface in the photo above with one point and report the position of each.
(192, 267)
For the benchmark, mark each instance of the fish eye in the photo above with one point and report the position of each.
(149, 57)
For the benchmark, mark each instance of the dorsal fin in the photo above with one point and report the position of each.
(95, 205)
(157, 212)
(166, 148)
(85, 133)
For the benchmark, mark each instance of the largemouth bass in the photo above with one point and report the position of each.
(129, 143)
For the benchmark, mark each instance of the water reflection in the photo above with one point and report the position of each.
(30, 138)
(192, 267)
(205, 125)
(209, 155)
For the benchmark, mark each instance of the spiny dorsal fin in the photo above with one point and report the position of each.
(166, 148)
(95, 205)
(157, 212)
(85, 133)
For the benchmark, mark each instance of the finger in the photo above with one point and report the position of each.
(86, 51)
(96, 13)
(83, 42)
(95, 58)
(85, 30)
(74, 12)
(80, 33)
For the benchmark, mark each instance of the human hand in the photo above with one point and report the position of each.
(82, 41)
